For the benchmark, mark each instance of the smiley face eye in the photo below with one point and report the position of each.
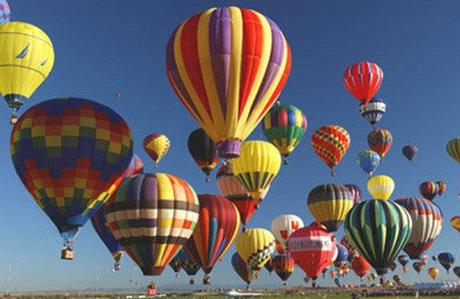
(23, 53)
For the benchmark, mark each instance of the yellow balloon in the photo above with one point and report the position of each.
(257, 166)
(156, 145)
(381, 187)
(255, 246)
(433, 272)
(26, 59)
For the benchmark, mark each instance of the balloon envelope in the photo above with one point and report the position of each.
(203, 150)
(368, 161)
(330, 144)
(284, 225)
(156, 145)
(380, 141)
(381, 187)
(363, 80)
(409, 151)
(255, 246)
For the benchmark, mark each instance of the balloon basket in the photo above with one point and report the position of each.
(67, 254)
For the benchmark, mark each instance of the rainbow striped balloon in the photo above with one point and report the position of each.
(228, 66)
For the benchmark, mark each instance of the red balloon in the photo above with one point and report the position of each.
(360, 266)
(363, 80)
(312, 248)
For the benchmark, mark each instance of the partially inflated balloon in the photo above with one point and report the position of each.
(433, 272)
(25, 62)
(153, 216)
(257, 166)
(67, 152)
(381, 187)
(255, 246)
(453, 149)
(228, 66)
(5, 12)
(360, 266)
(230, 186)
(355, 192)
(368, 161)
(426, 224)
(363, 80)
(446, 259)
(312, 248)
(203, 151)
(428, 189)
(455, 222)
(329, 204)
(442, 187)
(156, 145)
(284, 266)
(373, 111)
(218, 224)
(284, 126)
(380, 141)
(331, 143)
(242, 269)
(284, 225)
(409, 151)
(378, 230)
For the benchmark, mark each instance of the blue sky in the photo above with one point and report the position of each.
(104, 46)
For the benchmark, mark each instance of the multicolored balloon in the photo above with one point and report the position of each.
(284, 225)
(257, 166)
(242, 269)
(360, 266)
(355, 192)
(453, 149)
(433, 272)
(446, 259)
(330, 143)
(203, 151)
(26, 64)
(426, 224)
(428, 189)
(255, 246)
(380, 141)
(5, 12)
(368, 161)
(373, 111)
(68, 152)
(455, 222)
(378, 230)
(228, 97)
(284, 266)
(442, 187)
(230, 186)
(218, 225)
(167, 210)
(284, 126)
(329, 204)
(312, 248)
(409, 151)
(363, 80)
(381, 187)
(156, 145)
(403, 259)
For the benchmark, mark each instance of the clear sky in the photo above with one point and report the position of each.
(104, 46)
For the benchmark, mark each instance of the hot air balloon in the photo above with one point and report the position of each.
(332, 274)
(426, 224)
(409, 151)
(167, 210)
(190, 266)
(457, 271)
(428, 189)
(453, 149)
(360, 266)
(397, 278)
(312, 248)
(368, 161)
(330, 143)
(255, 246)
(363, 80)
(442, 187)
(26, 64)
(228, 97)
(231, 187)
(418, 266)
(5, 12)
(329, 204)
(99, 222)
(380, 141)
(424, 259)
(342, 256)
(156, 145)
(257, 166)
(203, 151)
(284, 266)
(67, 153)
(337, 282)
(378, 230)
(403, 259)
(284, 126)
(242, 269)
(355, 192)
(218, 225)
(455, 222)
(393, 266)
(433, 272)
(352, 253)
(381, 187)
(373, 111)
(446, 259)
(284, 225)
(176, 264)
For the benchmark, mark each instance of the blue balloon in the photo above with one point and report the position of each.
(446, 259)
(368, 161)
(342, 255)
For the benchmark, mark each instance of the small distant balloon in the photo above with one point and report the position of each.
(117, 94)
(409, 151)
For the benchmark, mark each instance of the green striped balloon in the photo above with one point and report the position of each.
(453, 149)
(379, 230)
